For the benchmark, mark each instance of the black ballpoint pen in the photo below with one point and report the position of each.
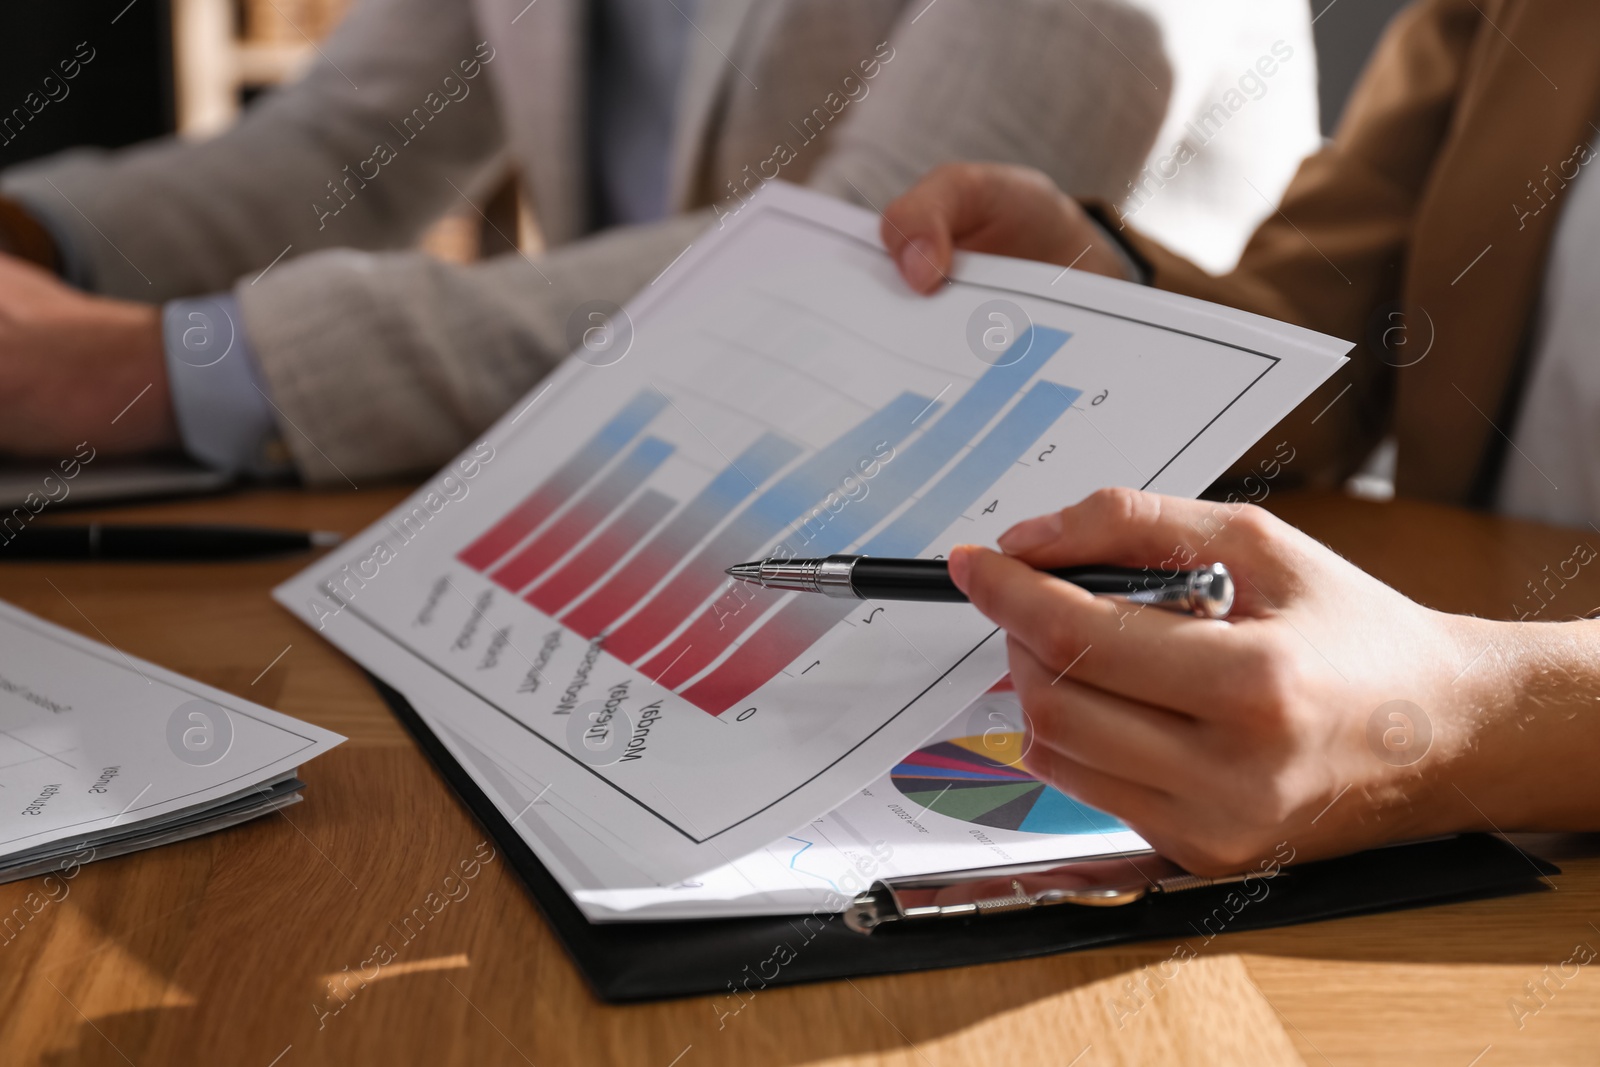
(1207, 592)
(115, 542)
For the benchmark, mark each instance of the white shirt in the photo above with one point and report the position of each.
(1243, 114)
(1553, 472)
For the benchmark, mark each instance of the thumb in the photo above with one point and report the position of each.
(919, 228)
(996, 208)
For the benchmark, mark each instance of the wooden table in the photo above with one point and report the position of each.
(221, 950)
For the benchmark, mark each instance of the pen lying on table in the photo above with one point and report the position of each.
(1207, 592)
(151, 542)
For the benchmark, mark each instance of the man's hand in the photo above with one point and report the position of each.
(991, 207)
(1331, 713)
(71, 366)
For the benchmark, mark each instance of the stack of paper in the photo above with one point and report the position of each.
(103, 754)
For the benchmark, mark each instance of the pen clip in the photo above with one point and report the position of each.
(1102, 881)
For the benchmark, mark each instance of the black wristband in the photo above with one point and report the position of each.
(1140, 267)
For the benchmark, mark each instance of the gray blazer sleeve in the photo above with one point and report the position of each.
(179, 218)
(1077, 88)
(385, 364)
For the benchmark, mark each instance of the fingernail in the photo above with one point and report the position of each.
(916, 263)
(1031, 533)
(961, 565)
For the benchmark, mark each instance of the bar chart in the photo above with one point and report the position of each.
(931, 459)
(785, 395)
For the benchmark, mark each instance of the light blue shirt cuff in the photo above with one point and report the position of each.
(224, 415)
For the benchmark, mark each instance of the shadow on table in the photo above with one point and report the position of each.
(225, 950)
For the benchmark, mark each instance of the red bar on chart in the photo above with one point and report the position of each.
(702, 576)
(586, 513)
(769, 650)
(712, 631)
(601, 554)
(570, 477)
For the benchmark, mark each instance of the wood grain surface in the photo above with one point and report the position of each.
(236, 949)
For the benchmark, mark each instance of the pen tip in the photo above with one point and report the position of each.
(325, 539)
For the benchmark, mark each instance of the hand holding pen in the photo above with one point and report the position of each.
(1219, 742)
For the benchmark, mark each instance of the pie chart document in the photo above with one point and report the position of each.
(553, 601)
(960, 801)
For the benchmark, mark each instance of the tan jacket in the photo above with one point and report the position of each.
(1421, 233)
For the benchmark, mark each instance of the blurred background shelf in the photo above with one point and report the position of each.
(262, 63)
(227, 52)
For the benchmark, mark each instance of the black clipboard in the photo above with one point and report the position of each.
(639, 961)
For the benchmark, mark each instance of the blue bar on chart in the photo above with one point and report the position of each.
(824, 533)
(1038, 410)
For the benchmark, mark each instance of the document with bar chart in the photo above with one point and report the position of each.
(554, 603)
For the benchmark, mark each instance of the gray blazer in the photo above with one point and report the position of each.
(382, 360)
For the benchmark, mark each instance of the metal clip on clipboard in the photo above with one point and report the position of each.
(1104, 881)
